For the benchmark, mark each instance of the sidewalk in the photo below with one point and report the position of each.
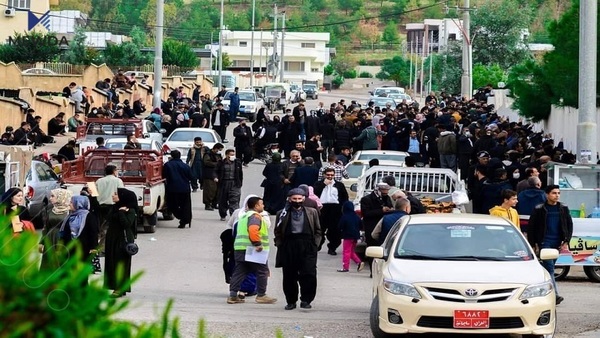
(589, 334)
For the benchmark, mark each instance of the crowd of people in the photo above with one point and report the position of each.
(502, 162)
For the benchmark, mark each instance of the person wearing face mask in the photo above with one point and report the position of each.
(243, 142)
(373, 207)
(297, 235)
(210, 160)
(229, 183)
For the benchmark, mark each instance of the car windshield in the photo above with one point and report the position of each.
(382, 157)
(247, 97)
(355, 170)
(124, 129)
(383, 102)
(386, 91)
(310, 87)
(462, 242)
(188, 136)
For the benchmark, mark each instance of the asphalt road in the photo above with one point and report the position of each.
(185, 265)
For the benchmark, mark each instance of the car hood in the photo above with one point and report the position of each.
(420, 271)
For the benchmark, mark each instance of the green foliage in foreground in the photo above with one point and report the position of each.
(55, 304)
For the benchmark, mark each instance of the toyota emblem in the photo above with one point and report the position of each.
(471, 292)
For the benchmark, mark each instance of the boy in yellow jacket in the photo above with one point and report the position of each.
(506, 209)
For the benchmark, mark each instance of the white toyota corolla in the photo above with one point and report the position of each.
(460, 273)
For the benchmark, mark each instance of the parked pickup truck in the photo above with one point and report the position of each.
(433, 186)
(140, 170)
(114, 128)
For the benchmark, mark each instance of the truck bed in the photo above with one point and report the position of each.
(142, 167)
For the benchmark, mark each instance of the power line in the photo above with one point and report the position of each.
(188, 31)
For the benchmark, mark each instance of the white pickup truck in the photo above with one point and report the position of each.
(140, 170)
(115, 128)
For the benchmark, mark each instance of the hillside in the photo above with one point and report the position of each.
(356, 26)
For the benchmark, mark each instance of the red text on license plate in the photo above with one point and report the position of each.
(471, 319)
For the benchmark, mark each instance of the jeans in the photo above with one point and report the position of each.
(549, 264)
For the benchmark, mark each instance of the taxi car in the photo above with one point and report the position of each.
(460, 274)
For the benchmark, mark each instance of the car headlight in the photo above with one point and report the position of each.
(537, 290)
(399, 288)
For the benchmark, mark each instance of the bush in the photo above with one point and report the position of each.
(365, 75)
(362, 62)
(328, 70)
(53, 303)
(350, 74)
(337, 81)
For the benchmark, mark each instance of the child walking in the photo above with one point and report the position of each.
(350, 225)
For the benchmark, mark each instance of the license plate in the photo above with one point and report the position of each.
(471, 319)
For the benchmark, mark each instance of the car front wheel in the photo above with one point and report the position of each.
(561, 272)
(593, 273)
(374, 321)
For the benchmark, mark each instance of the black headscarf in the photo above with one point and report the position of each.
(8, 195)
(127, 198)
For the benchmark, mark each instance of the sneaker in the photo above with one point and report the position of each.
(235, 300)
(222, 218)
(559, 299)
(342, 270)
(360, 267)
(195, 190)
(290, 306)
(305, 305)
(264, 299)
(332, 252)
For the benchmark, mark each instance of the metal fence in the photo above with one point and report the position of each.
(65, 68)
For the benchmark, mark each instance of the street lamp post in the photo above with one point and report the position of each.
(156, 95)
(220, 82)
(252, 46)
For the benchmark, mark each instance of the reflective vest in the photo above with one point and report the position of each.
(242, 239)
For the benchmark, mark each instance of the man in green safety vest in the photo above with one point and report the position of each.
(251, 247)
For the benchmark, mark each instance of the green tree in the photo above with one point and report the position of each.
(226, 62)
(179, 53)
(31, 47)
(531, 91)
(396, 69)
(85, 6)
(350, 6)
(105, 16)
(496, 32)
(390, 34)
(482, 75)
(447, 69)
(328, 70)
(79, 53)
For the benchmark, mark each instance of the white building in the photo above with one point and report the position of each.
(305, 55)
(64, 23)
(432, 34)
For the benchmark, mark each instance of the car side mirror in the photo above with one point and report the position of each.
(146, 135)
(370, 92)
(162, 130)
(374, 252)
(548, 254)
(354, 187)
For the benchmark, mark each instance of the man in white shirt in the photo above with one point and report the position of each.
(332, 194)
(107, 186)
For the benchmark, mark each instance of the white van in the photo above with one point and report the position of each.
(385, 91)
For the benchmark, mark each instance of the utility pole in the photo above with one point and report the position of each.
(252, 46)
(466, 81)
(587, 126)
(220, 82)
(410, 56)
(158, 48)
(211, 54)
(431, 61)
(260, 56)
(282, 65)
(275, 61)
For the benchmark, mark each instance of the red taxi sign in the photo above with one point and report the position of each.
(471, 319)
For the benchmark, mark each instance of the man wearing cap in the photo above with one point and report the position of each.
(373, 207)
(220, 120)
(483, 159)
(333, 195)
(297, 235)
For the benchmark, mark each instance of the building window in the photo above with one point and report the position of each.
(293, 66)
(267, 44)
(21, 4)
(314, 70)
(243, 43)
(308, 45)
(241, 63)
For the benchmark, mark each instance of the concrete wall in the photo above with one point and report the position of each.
(562, 123)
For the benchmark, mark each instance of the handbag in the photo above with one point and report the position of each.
(130, 248)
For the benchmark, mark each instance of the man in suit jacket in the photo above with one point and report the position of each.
(297, 236)
(333, 195)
